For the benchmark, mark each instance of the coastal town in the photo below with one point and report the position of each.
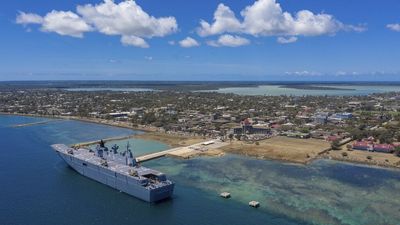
(362, 129)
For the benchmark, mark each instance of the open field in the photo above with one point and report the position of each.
(199, 149)
(280, 148)
(358, 156)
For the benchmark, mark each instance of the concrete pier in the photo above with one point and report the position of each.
(185, 152)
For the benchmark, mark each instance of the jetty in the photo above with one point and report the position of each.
(34, 123)
(201, 148)
(156, 155)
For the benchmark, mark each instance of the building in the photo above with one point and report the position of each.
(341, 116)
(247, 128)
(386, 148)
(321, 118)
(363, 145)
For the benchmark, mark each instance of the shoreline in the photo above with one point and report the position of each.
(380, 160)
(88, 120)
(151, 133)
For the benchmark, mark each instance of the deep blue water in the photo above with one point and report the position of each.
(37, 187)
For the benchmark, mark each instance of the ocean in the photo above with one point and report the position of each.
(37, 187)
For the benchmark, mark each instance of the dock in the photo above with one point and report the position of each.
(185, 152)
(34, 123)
(202, 148)
(155, 155)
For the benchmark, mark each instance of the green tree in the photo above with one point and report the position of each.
(397, 151)
(230, 137)
(335, 145)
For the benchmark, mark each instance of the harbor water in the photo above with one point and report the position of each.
(39, 188)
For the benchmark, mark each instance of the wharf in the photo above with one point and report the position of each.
(202, 148)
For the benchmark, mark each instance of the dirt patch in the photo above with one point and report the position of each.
(365, 157)
(171, 140)
(280, 148)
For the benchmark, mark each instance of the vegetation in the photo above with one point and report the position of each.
(335, 145)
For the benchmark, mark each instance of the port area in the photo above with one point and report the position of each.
(204, 148)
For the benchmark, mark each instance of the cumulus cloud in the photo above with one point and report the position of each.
(65, 23)
(229, 41)
(60, 22)
(267, 18)
(188, 42)
(134, 41)
(394, 27)
(286, 40)
(224, 21)
(126, 19)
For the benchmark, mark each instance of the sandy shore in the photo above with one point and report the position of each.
(280, 148)
(90, 120)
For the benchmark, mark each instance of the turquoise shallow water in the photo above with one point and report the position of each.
(39, 188)
(276, 90)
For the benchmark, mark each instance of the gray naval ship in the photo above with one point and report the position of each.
(118, 170)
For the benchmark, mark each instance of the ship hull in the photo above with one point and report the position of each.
(117, 181)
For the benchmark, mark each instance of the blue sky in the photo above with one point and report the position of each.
(328, 40)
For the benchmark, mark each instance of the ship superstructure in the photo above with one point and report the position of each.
(118, 170)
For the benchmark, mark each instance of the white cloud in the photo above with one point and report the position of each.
(134, 41)
(229, 41)
(394, 27)
(125, 18)
(224, 21)
(188, 42)
(148, 58)
(65, 23)
(304, 73)
(28, 18)
(286, 40)
(60, 22)
(266, 18)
